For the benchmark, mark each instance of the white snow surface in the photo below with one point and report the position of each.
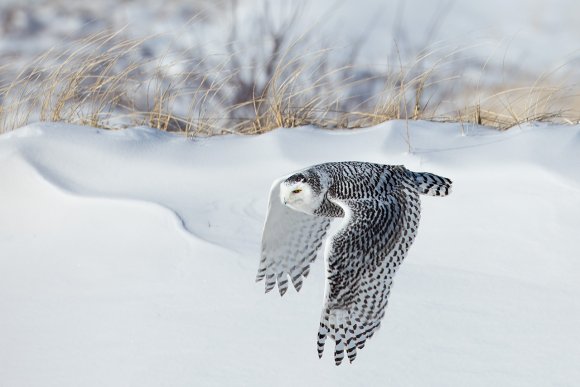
(128, 258)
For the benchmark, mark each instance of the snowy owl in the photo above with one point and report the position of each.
(366, 215)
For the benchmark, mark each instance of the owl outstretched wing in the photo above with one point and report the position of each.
(361, 260)
(290, 243)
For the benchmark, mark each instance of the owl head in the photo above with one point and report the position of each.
(301, 192)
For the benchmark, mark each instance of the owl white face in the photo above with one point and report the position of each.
(299, 196)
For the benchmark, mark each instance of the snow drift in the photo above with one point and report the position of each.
(129, 257)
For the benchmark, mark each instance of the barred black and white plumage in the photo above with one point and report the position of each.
(374, 210)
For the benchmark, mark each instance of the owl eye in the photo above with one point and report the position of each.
(296, 191)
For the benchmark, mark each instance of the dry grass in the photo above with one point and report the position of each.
(101, 81)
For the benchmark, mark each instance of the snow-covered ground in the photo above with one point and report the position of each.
(128, 258)
(533, 34)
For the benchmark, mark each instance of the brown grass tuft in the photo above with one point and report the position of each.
(102, 81)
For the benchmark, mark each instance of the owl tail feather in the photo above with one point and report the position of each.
(430, 184)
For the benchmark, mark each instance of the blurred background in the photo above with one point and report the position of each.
(209, 67)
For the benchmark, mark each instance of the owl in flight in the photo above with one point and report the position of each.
(366, 216)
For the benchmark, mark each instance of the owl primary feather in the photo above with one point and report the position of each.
(374, 210)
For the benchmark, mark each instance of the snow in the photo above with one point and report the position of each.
(128, 258)
(521, 32)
